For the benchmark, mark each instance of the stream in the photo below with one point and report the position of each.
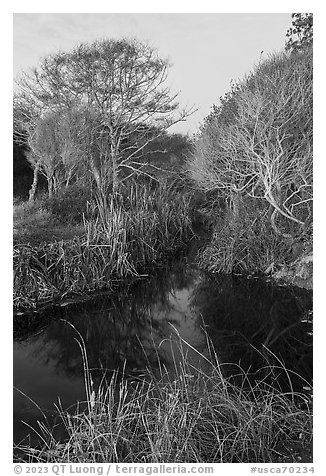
(152, 323)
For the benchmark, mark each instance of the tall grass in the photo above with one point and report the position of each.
(247, 245)
(190, 415)
(124, 235)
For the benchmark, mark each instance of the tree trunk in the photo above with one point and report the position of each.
(50, 187)
(34, 184)
(55, 184)
(275, 227)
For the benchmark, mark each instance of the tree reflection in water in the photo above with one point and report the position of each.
(256, 324)
(131, 331)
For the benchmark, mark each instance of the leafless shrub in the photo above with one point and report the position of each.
(264, 150)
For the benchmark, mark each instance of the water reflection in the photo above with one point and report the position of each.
(137, 328)
(253, 323)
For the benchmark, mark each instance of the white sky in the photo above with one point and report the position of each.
(207, 50)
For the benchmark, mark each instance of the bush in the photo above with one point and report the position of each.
(69, 204)
(256, 148)
(31, 214)
(259, 142)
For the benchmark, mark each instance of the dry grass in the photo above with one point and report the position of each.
(248, 246)
(123, 237)
(191, 416)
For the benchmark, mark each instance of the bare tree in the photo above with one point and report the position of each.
(55, 151)
(120, 87)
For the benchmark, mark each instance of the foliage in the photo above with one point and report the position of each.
(164, 157)
(70, 205)
(300, 35)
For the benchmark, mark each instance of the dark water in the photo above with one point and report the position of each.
(249, 322)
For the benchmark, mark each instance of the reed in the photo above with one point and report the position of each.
(247, 246)
(189, 415)
(124, 235)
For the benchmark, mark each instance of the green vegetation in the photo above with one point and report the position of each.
(195, 416)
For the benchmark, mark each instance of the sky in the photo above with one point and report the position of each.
(207, 50)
